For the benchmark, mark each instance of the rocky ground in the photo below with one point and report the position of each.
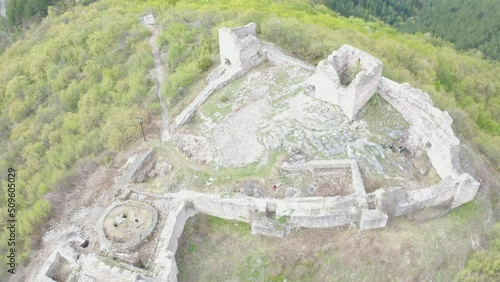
(267, 111)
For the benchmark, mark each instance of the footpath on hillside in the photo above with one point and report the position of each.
(160, 76)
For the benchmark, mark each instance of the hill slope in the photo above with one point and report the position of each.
(73, 86)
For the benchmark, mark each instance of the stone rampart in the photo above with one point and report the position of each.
(320, 212)
(237, 207)
(275, 55)
(261, 224)
(430, 128)
(216, 83)
(164, 262)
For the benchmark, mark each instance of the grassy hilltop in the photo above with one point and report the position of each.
(72, 85)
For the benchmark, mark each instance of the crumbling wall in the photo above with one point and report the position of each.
(261, 224)
(133, 165)
(399, 201)
(275, 55)
(449, 193)
(239, 46)
(228, 208)
(164, 262)
(371, 219)
(62, 259)
(430, 128)
(347, 78)
(321, 212)
(217, 82)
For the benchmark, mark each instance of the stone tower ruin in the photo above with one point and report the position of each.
(239, 46)
(347, 78)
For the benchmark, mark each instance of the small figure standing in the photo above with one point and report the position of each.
(275, 187)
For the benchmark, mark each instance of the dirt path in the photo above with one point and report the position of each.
(160, 79)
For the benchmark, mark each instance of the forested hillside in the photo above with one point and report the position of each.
(19, 11)
(67, 94)
(23, 13)
(469, 24)
(389, 11)
(72, 86)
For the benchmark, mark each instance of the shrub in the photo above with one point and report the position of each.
(122, 126)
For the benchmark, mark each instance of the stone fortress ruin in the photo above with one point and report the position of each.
(318, 191)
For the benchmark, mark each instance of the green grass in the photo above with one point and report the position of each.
(222, 100)
(283, 219)
(217, 224)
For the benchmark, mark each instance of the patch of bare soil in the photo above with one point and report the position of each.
(330, 186)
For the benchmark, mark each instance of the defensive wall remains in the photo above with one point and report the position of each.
(347, 78)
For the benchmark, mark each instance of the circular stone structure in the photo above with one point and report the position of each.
(126, 225)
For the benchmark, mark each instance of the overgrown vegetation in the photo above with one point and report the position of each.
(390, 11)
(68, 94)
(24, 11)
(484, 265)
(72, 86)
(21, 14)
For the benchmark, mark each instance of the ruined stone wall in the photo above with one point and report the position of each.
(397, 201)
(347, 78)
(239, 46)
(261, 224)
(430, 129)
(321, 212)
(164, 262)
(217, 82)
(236, 207)
(449, 193)
(133, 165)
(273, 54)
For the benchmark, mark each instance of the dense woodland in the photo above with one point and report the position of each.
(468, 24)
(20, 14)
(72, 86)
(24, 11)
(389, 11)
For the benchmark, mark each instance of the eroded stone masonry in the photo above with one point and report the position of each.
(348, 78)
